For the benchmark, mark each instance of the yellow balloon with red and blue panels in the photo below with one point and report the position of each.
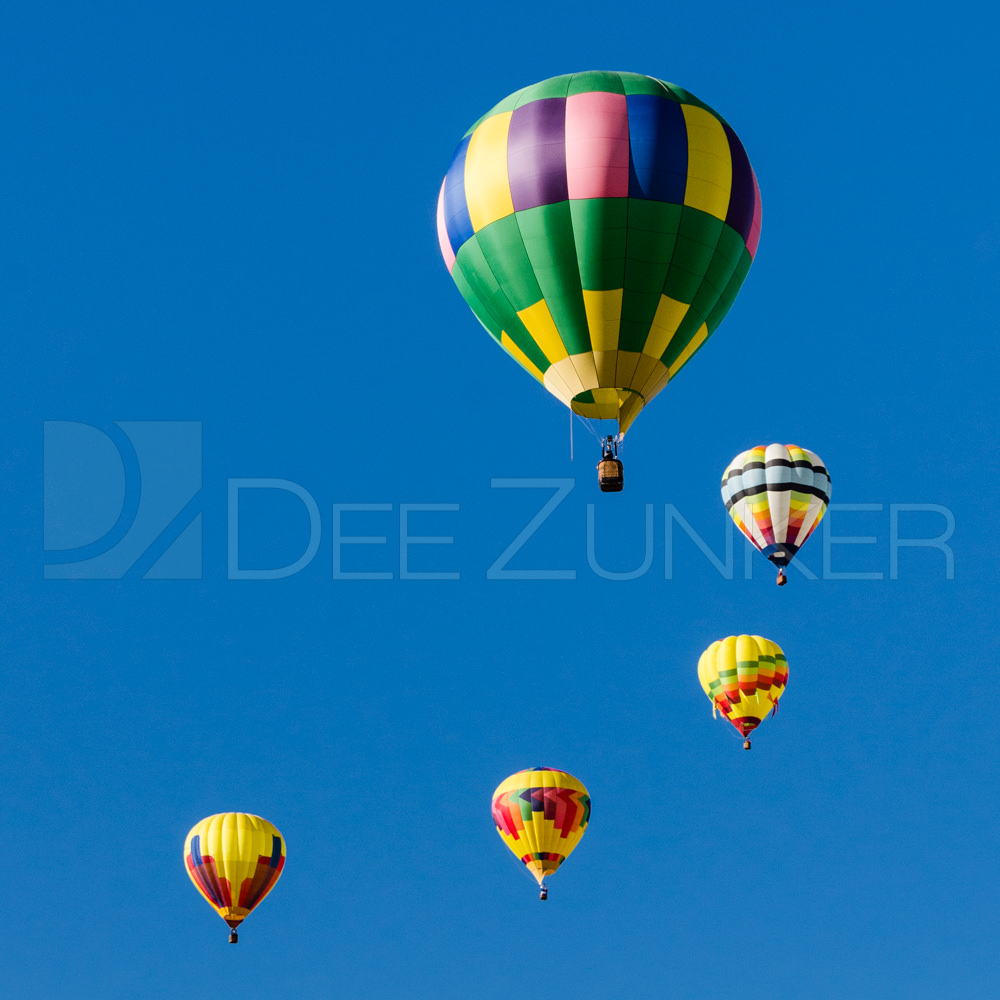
(234, 860)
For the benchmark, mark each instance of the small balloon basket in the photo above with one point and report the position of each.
(610, 471)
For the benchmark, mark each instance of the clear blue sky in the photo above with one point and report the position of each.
(226, 216)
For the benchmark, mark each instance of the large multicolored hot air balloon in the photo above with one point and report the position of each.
(776, 495)
(599, 225)
(743, 676)
(541, 814)
(234, 860)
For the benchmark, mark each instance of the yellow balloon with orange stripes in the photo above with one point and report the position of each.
(743, 676)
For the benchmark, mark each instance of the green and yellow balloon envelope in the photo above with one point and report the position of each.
(599, 225)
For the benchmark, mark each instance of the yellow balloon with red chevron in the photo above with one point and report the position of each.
(541, 814)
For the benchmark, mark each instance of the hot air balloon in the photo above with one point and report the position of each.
(234, 860)
(541, 814)
(599, 225)
(743, 676)
(776, 495)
